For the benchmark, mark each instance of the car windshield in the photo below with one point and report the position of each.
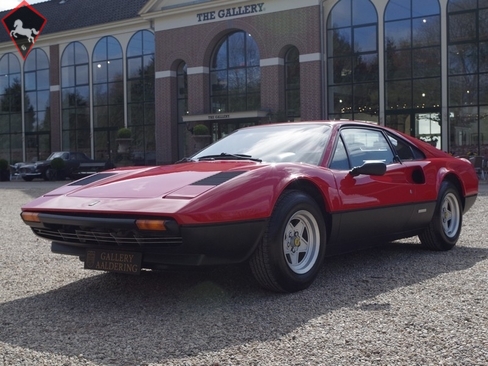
(54, 155)
(272, 143)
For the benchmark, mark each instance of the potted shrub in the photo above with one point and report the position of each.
(124, 139)
(56, 170)
(201, 136)
(4, 170)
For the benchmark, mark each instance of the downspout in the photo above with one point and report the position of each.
(322, 60)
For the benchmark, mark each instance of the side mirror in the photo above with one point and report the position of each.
(369, 168)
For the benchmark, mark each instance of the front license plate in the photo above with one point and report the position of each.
(113, 261)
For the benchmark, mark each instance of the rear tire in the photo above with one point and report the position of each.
(444, 229)
(293, 247)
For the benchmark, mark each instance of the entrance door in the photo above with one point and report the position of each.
(422, 124)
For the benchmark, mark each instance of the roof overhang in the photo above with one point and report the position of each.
(225, 116)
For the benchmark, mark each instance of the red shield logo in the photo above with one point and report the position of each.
(24, 24)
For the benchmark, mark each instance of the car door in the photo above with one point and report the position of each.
(371, 207)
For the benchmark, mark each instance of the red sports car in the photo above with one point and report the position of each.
(279, 196)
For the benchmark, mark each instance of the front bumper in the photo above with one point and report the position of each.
(196, 245)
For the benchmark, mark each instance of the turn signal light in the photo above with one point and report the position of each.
(30, 216)
(155, 225)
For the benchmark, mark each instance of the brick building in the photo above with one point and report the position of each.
(160, 67)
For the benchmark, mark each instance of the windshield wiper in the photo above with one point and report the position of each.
(227, 156)
(184, 160)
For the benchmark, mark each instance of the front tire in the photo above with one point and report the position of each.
(444, 229)
(293, 247)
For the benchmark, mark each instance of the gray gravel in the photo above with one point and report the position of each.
(394, 305)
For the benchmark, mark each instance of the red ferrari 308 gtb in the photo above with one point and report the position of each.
(279, 196)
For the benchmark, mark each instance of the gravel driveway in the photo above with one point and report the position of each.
(394, 305)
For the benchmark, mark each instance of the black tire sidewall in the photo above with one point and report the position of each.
(292, 203)
(447, 242)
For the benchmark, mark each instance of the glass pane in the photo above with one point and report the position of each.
(252, 52)
(483, 96)
(483, 24)
(483, 56)
(219, 61)
(43, 100)
(218, 82)
(427, 62)
(148, 45)
(30, 101)
(100, 51)
(82, 75)
(462, 27)
(116, 94)
(426, 31)
(237, 81)
(398, 9)
(424, 7)
(236, 50)
(398, 94)
(427, 93)
(68, 76)
(463, 126)
(100, 116)
(100, 94)
(81, 56)
(366, 68)
(463, 90)
(363, 12)
(43, 80)
(100, 72)
(366, 98)
(83, 96)
(340, 16)
(30, 80)
(114, 50)
(30, 61)
(293, 103)
(254, 80)
(398, 34)
(115, 70)
(398, 64)
(340, 99)
(116, 116)
(457, 5)
(135, 91)
(135, 45)
(340, 42)
(365, 39)
(463, 59)
(134, 67)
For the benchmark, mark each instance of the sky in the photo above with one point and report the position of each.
(11, 4)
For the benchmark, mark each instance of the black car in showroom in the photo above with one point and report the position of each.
(64, 164)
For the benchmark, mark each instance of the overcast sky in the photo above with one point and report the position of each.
(11, 4)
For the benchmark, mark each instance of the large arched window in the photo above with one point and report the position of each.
(352, 58)
(413, 68)
(292, 84)
(468, 76)
(182, 107)
(108, 96)
(37, 111)
(10, 109)
(140, 96)
(75, 98)
(235, 75)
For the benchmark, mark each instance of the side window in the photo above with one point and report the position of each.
(365, 145)
(404, 150)
(340, 161)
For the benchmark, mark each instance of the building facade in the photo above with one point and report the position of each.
(160, 67)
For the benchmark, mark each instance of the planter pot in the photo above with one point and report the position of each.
(4, 175)
(201, 141)
(124, 145)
